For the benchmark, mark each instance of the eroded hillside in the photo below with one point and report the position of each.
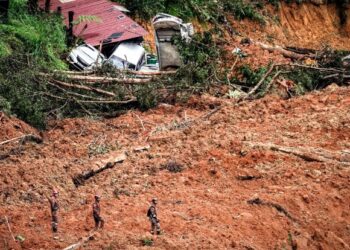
(206, 204)
(271, 173)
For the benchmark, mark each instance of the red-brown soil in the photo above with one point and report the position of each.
(204, 206)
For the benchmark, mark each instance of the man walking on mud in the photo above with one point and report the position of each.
(96, 213)
(54, 207)
(152, 216)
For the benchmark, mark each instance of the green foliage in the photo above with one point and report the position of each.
(147, 95)
(305, 79)
(200, 57)
(29, 43)
(147, 241)
(251, 77)
(41, 36)
(20, 90)
(203, 10)
(241, 10)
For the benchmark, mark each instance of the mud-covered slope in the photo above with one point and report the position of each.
(205, 205)
(301, 25)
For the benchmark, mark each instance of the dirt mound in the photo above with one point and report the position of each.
(12, 127)
(205, 205)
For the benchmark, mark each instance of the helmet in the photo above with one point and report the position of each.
(154, 200)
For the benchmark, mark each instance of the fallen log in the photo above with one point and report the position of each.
(304, 51)
(98, 167)
(23, 139)
(307, 153)
(132, 72)
(83, 87)
(247, 177)
(81, 242)
(278, 207)
(101, 79)
(284, 52)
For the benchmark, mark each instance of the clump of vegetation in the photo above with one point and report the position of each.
(146, 241)
(173, 167)
(28, 44)
(203, 10)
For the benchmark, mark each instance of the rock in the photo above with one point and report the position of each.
(246, 215)
(306, 198)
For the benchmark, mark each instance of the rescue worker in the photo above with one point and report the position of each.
(54, 207)
(152, 216)
(96, 213)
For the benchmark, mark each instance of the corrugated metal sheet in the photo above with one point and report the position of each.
(113, 26)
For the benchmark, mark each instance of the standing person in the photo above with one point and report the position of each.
(96, 213)
(152, 216)
(54, 207)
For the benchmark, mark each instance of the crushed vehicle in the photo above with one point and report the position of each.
(127, 55)
(86, 57)
(166, 27)
(346, 61)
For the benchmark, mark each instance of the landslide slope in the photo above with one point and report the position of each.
(205, 205)
(301, 25)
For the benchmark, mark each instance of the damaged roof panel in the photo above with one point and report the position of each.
(113, 25)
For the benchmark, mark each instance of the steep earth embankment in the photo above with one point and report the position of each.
(300, 25)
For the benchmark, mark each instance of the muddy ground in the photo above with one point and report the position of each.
(205, 204)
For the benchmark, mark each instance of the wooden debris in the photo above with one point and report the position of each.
(252, 91)
(81, 242)
(284, 52)
(142, 148)
(83, 87)
(101, 79)
(24, 138)
(247, 177)
(98, 167)
(306, 153)
(278, 207)
(9, 228)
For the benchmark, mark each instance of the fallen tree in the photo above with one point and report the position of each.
(307, 153)
(98, 167)
(23, 139)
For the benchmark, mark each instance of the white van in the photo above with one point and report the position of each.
(127, 55)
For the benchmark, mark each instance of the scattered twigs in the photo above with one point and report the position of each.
(23, 139)
(272, 81)
(9, 228)
(184, 124)
(278, 207)
(316, 68)
(141, 122)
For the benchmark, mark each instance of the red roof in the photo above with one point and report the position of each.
(112, 26)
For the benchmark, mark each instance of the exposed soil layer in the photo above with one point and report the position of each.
(300, 25)
(204, 203)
